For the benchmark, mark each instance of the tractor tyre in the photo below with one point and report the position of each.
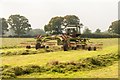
(89, 48)
(37, 46)
(65, 47)
(94, 48)
(75, 48)
(83, 46)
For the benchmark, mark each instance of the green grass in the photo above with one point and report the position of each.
(14, 42)
(105, 72)
(109, 46)
(42, 59)
(11, 42)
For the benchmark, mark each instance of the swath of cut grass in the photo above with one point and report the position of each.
(42, 59)
(97, 73)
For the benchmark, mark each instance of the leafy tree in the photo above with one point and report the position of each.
(87, 31)
(48, 29)
(98, 31)
(19, 24)
(3, 25)
(71, 20)
(115, 27)
(54, 25)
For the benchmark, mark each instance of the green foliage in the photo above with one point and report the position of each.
(71, 20)
(56, 24)
(3, 26)
(115, 27)
(87, 31)
(19, 24)
(98, 31)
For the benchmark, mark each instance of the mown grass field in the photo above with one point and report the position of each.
(109, 46)
(98, 73)
(13, 42)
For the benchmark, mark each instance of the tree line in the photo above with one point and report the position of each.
(20, 26)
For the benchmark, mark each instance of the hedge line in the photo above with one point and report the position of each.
(100, 36)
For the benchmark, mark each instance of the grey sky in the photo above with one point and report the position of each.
(92, 13)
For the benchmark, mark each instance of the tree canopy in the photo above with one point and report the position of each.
(19, 24)
(98, 31)
(57, 24)
(115, 27)
(3, 26)
(87, 31)
(71, 20)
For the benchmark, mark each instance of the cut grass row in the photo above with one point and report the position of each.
(43, 58)
(63, 67)
(105, 72)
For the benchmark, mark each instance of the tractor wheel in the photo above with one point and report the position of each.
(75, 48)
(94, 48)
(28, 47)
(89, 48)
(37, 46)
(83, 46)
(65, 47)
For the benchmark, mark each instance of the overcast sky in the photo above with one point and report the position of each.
(92, 13)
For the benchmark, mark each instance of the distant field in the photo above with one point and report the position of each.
(14, 42)
(109, 46)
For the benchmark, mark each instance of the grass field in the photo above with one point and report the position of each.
(99, 73)
(109, 46)
(13, 42)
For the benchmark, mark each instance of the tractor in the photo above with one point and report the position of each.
(66, 41)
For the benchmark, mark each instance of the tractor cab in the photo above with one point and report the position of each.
(73, 30)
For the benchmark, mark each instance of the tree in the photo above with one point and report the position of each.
(19, 24)
(71, 20)
(3, 26)
(98, 31)
(54, 25)
(87, 31)
(115, 27)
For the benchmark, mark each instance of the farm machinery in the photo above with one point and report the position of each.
(66, 41)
